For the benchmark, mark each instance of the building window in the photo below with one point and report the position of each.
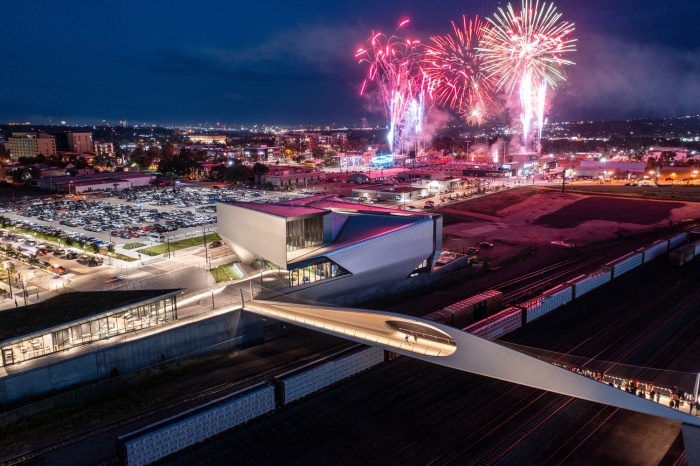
(304, 233)
(421, 269)
(321, 270)
(99, 328)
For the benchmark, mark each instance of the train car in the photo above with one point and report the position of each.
(497, 325)
(546, 302)
(440, 316)
(590, 281)
(475, 308)
(656, 249)
(313, 377)
(163, 438)
(696, 247)
(694, 234)
(625, 263)
(682, 255)
(676, 240)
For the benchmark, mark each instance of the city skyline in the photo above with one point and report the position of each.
(290, 65)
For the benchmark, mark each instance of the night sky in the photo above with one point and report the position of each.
(292, 62)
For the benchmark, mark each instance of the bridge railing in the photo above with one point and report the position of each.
(640, 380)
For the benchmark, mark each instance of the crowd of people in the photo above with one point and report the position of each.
(677, 397)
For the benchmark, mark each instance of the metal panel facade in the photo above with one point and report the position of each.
(251, 233)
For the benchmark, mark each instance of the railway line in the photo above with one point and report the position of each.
(420, 414)
(173, 406)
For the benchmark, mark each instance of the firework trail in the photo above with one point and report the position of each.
(453, 70)
(394, 70)
(523, 49)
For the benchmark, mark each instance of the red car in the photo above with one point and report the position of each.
(216, 244)
(57, 269)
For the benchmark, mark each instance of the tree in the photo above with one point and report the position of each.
(328, 160)
(318, 152)
(260, 169)
(239, 172)
(140, 158)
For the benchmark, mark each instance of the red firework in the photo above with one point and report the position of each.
(452, 66)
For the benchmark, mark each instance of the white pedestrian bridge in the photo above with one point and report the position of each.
(451, 347)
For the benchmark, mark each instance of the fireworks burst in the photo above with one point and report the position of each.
(394, 69)
(452, 66)
(524, 50)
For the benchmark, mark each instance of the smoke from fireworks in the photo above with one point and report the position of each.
(522, 49)
(466, 70)
(394, 69)
(452, 65)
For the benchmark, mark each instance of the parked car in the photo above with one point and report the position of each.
(57, 269)
(472, 250)
(216, 244)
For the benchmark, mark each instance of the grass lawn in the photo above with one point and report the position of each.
(162, 248)
(224, 273)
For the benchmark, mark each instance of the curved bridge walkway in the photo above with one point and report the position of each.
(450, 347)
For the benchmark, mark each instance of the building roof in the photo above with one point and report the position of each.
(69, 307)
(286, 210)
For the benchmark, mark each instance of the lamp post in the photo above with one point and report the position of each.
(9, 278)
(204, 242)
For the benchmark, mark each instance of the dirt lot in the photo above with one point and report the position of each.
(519, 221)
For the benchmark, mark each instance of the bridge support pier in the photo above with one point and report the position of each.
(691, 439)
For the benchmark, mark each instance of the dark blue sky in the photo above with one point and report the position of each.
(291, 62)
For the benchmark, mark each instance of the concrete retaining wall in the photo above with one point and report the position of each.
(69, 371)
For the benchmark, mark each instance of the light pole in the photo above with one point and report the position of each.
(204, 242)
(9, 278)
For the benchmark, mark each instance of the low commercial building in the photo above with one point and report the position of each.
(102, 181)
(292, 177)
(391, 193)
(623, 169)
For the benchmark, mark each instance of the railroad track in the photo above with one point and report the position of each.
(178, 404)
